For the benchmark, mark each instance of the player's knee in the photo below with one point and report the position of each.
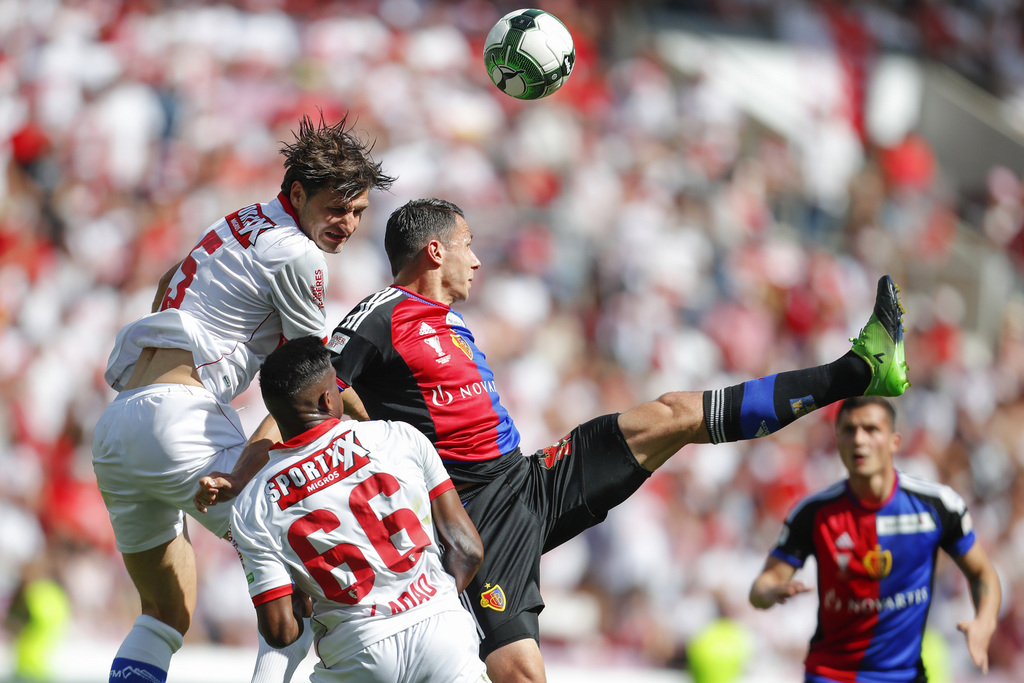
(174, 613)
(677, 416)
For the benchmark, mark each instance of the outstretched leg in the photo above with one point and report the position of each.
(874, 366)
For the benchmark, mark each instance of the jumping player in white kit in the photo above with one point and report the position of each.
(347, 511)
(256, 278)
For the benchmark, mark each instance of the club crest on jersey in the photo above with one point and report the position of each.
(493, 598)
(878, 563)
(462, 344)
(248, 224)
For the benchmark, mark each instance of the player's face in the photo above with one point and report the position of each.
(866, 441)
(459, 263)
(326, 217)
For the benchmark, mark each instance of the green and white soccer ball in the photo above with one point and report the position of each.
(529, 54)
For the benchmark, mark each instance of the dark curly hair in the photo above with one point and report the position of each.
(291, 369)
(331, 157)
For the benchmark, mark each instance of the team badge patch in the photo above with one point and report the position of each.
(802, 406)
(878, 563)
(552, 454)
(461, 343)
(337, 342)
(493, 598)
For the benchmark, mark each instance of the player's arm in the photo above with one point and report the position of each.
(464, 551)
(219, 487)
(353, 405)
(775, 584)
(987, 596)
(280, 620)
(161, 288)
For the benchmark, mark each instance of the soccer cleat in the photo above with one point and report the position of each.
(880, 343)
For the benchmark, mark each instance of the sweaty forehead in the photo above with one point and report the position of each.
(462, 233)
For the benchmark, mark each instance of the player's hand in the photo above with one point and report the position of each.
(302, 606)
(217, 487)
(784, 591)
(978, 634)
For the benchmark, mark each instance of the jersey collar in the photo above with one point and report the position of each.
(308, 436)
(420, 297)
(286, 204)
(868, 505)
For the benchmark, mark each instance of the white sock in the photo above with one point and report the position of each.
(277, 666)
(145, 652)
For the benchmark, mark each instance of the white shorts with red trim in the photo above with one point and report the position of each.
(150, 448)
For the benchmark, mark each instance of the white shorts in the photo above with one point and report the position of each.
(444, 647)
(149, 450)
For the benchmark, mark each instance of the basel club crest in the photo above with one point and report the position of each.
(493, 598)
(878, 563)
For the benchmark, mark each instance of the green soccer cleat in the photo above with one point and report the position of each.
(880, 343)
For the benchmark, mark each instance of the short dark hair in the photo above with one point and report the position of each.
(331, 157)
(292, 368)
(860, 401)
(415, 223)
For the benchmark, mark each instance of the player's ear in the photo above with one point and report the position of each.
(297, 194)
(325, 402)
(435, 251)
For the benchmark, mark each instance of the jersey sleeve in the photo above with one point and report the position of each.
(796, 540)
(957, 527)
(297, 292)
(351, 354)
(265, 569)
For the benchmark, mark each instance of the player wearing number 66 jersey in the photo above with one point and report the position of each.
(254, 278)
(347, 510)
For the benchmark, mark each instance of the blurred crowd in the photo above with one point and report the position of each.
(639, 233)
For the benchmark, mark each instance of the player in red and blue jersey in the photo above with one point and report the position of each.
(876, 537)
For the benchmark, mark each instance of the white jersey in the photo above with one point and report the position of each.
(344, 511)
(253, 280)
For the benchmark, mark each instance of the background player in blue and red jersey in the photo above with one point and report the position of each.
(876, 537)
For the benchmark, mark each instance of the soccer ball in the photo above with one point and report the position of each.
(529, 54)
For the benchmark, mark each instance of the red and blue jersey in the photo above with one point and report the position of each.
(414, 360)
(876, 569)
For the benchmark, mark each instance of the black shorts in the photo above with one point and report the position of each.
(536, 504)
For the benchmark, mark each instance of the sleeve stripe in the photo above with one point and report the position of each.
(272, 594)
(366, 307)
(787, 558)
(441, 488)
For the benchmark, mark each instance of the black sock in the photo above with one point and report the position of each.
(765, 405)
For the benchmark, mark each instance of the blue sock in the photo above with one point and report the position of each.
(145, 653)
(124, 670)
(765, 405)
